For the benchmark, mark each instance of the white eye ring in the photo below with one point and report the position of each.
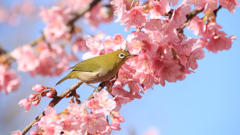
(121, 55)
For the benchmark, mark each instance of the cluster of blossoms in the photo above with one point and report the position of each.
(91, 117)
(49, 58)
(164, 54)
(57, 18)
(45, 60)
(34, 99)
(9, 81)
(11, 15)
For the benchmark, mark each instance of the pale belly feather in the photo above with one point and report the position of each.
(95, 77)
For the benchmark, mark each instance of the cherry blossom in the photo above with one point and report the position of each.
(164, 52)
(229, 4)
(158, 8)
(25, 103)
(9, 81)
(18, 132)
(135, 18)
(219, 42)
(38, 88)
(93, 123)
(26, 59)
(105, 104)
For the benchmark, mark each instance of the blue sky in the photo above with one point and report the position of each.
(205, 103)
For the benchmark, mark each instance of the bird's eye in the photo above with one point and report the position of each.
(121, 55)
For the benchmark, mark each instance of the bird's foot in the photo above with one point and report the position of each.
(90, 85)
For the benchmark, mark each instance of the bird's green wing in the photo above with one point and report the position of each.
(89, 65)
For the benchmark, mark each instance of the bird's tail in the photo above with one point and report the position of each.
(71, 75)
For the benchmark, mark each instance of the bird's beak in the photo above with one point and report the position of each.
(132, 55)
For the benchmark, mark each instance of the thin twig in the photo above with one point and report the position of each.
(52, 104)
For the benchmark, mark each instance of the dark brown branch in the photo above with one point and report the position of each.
(52, 104)
(216, 10)
(192, 14)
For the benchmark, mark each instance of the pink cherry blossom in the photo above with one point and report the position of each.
(170, 72)
(93, 123)
(184, 47)
(95, 106)
(38, 88)
(108, 104)
(197, 25)
(153, 24)
(179, 15)
(158, 8)
(52, 128)
(9, 81)
(25, 103)
(114, 43)
(93, 17)
(210, 5)
(229, 4)
(219, 42)
(201, 42)
(140, 36)
(199, 4)
(174, 2)
(96, 46)
(135, 88)
(195, 55)
(147, 78)
(75, 5)
(115, 123)
(53, 61)
(33, 132)
(119, 99)
(26, 59)
(212, 28)
(55, 19)
(79, 45)
(118, 116)
(18, 132)
(70, 123)
(135, 18)
(120, 8)
(104, 14)
(76, 110)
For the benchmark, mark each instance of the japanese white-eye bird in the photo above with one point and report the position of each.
(100, 68)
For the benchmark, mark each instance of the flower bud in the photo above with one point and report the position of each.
(71, 100)
(33, 132)
(49, 94)
(38, 88)
(78, 101)
(35, 102)
(25, 103)
(32, 96)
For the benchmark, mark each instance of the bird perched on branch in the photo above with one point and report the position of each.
(99, 69)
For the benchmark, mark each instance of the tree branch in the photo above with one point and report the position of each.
(56, 100)
(192, 14)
